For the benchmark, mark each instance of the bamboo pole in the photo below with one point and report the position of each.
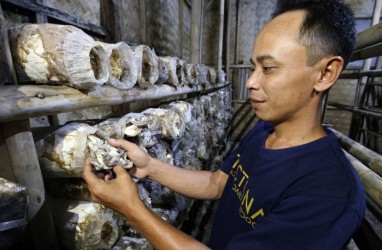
(356, 110)
(228, 40)
(221, 32)
(361, 73)
(368, 157)
(369, 36)
(372, 183)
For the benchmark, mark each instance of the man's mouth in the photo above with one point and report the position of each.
(255, 103)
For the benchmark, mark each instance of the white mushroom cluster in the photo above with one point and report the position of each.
(63, 54)
(63, 153)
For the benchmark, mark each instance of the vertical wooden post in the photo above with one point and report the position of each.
(41, 18)
(26, 169)
(142, 14)
(196, 24)
(181, 27)
(111, 19)
(25, 164)
(7, 72)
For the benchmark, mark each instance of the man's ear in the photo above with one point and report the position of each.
(331, 68)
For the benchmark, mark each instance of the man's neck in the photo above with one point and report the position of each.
(286, 136)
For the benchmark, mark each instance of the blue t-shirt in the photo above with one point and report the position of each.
(303, 197)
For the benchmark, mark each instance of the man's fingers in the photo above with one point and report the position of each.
(126, 145)
(88, 173)
(133, 172)
(120, 171)
(88, 168)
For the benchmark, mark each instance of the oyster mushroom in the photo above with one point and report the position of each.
(132, 124)
(104, 156)
(63, 153)
(184, 108)
(172, 124)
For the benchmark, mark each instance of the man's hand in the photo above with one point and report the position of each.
(120, 193)
(138, 156)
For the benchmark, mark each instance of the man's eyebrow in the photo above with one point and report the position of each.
(260, 59)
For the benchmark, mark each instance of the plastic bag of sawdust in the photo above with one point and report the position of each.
(61, 54)
(147, 63)
(14, 209)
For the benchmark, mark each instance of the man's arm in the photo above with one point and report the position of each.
(195, 184)
(121, 195)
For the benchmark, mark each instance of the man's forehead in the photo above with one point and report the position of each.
(287, 23)
(289, 18)
(280, 31)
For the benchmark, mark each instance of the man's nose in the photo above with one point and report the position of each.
(253, 82)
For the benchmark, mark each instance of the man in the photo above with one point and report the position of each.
(288, 185)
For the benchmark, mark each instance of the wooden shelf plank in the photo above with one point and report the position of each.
(25, 101)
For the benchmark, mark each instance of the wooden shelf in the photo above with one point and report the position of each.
(24, 101)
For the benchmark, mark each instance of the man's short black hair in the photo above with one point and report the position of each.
(328, 28)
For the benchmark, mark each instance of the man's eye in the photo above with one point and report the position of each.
(268, 69)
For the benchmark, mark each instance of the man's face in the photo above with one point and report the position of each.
(281, 84)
